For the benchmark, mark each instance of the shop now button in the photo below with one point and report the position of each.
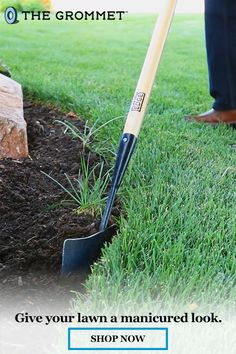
(117, 338)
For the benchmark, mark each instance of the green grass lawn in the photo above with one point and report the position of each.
(177, 240)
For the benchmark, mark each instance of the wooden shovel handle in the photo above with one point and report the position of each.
(148, 73)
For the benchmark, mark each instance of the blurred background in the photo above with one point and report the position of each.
(184, 6)
(147, 6)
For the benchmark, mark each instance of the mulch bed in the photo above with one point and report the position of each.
(34, 222)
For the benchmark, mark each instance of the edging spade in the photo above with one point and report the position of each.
(80, 253)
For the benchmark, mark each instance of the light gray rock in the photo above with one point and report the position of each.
(13, 133)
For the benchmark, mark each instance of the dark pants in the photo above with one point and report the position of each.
(220, 21)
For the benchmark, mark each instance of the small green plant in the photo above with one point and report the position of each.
(88, 133)
(87, 191)
(4, 70)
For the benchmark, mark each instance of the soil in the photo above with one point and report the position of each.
(34, 219)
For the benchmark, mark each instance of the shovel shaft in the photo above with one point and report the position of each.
(126, 148)
(137, 109)
(148, 73)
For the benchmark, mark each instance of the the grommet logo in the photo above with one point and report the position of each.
(10, 15)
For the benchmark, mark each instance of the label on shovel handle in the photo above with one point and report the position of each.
(138, 102)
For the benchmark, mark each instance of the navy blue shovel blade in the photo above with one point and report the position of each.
(79, 253)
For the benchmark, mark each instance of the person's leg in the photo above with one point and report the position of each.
(220, 27)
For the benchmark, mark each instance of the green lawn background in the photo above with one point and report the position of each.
(177, 240)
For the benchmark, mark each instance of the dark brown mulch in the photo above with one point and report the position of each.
(34, 222)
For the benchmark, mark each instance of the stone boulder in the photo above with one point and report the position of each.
(13, 133)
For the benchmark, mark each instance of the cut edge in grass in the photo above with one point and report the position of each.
(167, 95)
